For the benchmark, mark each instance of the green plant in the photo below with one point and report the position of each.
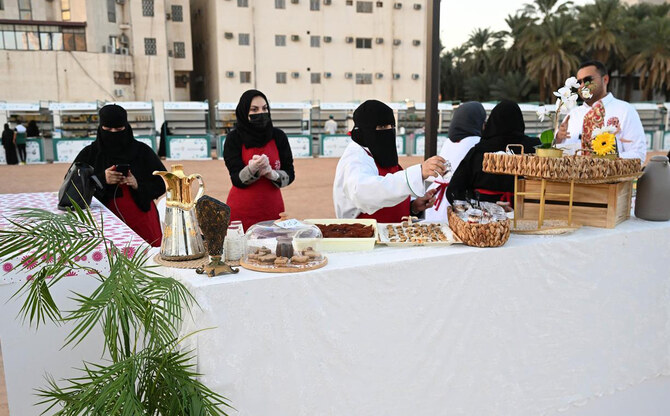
(138, 311)
(547, 139)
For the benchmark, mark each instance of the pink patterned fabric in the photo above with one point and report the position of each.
(18, 270)
(594, 119)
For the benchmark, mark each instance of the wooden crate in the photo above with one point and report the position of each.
(602, 205)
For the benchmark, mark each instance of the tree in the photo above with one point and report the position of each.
(552, 56)
(652, 59)
(545, 9)
(603, 23)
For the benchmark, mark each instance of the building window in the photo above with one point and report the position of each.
(46, 38)
(315, 5)
(150, 46)
(380, 4)
(122, 78)
(177, 14)
(180, 50)
(25, 10)
(242, 3)
(280, 4)
(364, 6)
(245, 77)
(315, 41)
(111, 11)
(243, 39)
(65, 13)
(74, 39)
(350, 2)
(363, 78)
(2, 7)
(280, 40)
(315, 77)
(364, 43)
(148, 8)
(281, 77)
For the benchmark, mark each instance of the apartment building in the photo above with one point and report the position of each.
(87, 50)
(309, 50)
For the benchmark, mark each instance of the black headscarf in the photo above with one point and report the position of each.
(467, 121)
(381, 143)
(254, 133)
(32, 130)
(115, 147)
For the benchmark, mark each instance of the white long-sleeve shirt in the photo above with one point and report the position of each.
(631, 141)
(454, 154)
(358, 188)
(330, 127)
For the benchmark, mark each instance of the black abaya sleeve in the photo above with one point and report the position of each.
(149, 186)
(461, 179)
(285, 154)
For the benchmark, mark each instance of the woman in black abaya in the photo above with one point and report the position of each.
(504, 126)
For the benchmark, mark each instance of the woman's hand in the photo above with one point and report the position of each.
(259, 163)
(130, 180)
(112, 177)
(435, 166)
(423, 203)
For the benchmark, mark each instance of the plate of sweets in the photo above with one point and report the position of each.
(411, 233)
(358, 234)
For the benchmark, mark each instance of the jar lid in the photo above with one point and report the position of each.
(659, 158)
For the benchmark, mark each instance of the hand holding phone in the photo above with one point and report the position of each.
(122, 168)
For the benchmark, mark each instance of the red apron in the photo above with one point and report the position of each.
(504, 196)
(389, 214)
(145, 224)
(262, 200)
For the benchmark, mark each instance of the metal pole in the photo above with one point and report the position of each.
(432, 75)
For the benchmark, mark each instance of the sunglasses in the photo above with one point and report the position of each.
(585, 79)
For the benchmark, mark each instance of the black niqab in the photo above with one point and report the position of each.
(381, 143)
(467, 121)
(252, 135)
(114, 147)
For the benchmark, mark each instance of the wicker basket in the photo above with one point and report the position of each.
(580, 168)
(493, 234)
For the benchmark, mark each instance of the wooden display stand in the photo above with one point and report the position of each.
(599, 205)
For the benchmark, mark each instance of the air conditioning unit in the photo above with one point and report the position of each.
(396, 76)
(170, 53)
(327, 2)
(230, 74)
(295, 38)
(295, 74)
(123, 39)
(327, 39)
(295, 1)
(327, 75)
(349, 39)
(379, 41)
(348, 75)
(120, 1)
(124, 51)
(168, 16)
(107, 49)
(118, 92)
(415, 76)
(417, 6)
(379, 75)
(416, 42)
(184, 79)
(228, 35)
(397, 42)
(397, 5)
(380, 4)
(126, 75)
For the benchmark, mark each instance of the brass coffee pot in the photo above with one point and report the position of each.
(181, 235)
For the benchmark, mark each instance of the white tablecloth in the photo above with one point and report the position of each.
(537, 327)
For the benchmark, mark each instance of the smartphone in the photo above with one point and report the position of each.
(123, 168)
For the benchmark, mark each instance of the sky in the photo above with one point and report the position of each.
(458, 18)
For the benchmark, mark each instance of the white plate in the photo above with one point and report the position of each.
(444, 227)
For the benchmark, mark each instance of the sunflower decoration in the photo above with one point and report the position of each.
(604, 142)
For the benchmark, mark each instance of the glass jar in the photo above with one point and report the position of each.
(234, 243)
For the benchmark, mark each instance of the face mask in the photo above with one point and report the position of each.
(383, 148)
(259, 121)
(114, 142)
